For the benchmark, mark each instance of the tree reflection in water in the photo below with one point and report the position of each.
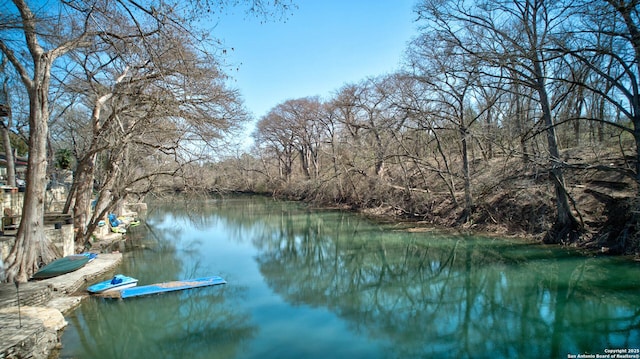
(450, 296)
(176, 325)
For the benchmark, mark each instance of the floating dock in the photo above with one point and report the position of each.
(170, 286)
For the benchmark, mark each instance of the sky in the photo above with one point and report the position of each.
(320, 46)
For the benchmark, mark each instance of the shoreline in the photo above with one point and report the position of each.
(32, 327)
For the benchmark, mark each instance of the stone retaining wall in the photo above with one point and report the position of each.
(31, 339)
(62, 238)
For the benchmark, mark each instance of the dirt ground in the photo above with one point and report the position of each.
(511, 199)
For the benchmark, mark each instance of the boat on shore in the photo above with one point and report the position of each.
(117, 283)
(64, 265)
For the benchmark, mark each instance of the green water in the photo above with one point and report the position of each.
(325, 284)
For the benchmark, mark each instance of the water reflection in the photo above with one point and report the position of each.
(397, 294)
(191, 324)
(451, 296)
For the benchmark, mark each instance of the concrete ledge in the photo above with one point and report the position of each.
(51, 318)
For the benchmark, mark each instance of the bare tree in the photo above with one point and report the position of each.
(48, 36)
(344, 138)
(606, 44)
(502, 34)
(31, 246)
(173, 105)
(455, 81)
(333, 132)
(302, 117)
(275, 132)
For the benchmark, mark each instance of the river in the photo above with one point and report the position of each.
(305, 283)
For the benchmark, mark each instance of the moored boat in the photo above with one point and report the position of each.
(118, 282)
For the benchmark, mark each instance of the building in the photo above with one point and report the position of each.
(20, 166)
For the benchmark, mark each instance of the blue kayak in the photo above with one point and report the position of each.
(118, 282)
(170, 286)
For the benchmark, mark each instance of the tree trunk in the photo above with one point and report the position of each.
(519, 119)
(468, 198)
(304, 161)
(8, 150)
(4, 132)
(83, 195)
(628, 12)
(566, 227)
(32, 248)
(379, 155)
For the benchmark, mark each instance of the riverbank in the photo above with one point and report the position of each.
(32, 315)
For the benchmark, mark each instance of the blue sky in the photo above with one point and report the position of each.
(321, 46)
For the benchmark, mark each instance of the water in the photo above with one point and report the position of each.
(325, 284)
